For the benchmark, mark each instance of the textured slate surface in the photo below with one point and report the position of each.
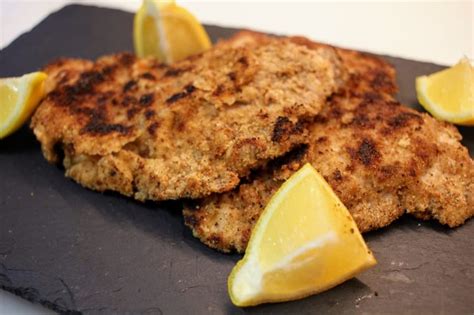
(73, 249)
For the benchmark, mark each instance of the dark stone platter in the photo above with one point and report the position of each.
(73, 249)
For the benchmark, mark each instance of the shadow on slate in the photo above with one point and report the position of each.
(76, 250)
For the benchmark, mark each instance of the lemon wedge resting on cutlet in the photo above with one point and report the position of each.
(449, 94)
(19, 96)
(167, 31)
(304, 242)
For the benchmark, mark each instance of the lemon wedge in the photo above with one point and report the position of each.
(167, 31)
(304, 242)
(19, 96)
(449, 94)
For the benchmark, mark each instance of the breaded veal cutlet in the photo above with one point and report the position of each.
(381, 158)
(158, 132)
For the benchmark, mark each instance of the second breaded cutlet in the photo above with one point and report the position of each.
(381, 158)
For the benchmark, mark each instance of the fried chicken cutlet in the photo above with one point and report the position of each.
(187, 130)
(381, 158)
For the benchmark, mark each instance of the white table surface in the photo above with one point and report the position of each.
(434, 31)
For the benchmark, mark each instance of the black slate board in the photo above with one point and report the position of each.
(72, 249)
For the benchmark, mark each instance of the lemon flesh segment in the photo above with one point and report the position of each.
(19, 96)
(147, 29)
(449, 94)
(168, 32)
(304, 242)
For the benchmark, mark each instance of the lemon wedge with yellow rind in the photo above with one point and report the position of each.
(19, 96)
(449, 94)
(304, 242)
(168, 32)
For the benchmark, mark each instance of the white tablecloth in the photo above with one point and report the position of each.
(436, 31)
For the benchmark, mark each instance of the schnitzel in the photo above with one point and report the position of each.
(381, 158)
(187, 130)
(229, 126)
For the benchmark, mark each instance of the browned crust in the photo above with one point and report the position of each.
(381, 158)
(187, 130)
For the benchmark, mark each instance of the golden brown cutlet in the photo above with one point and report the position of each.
(196, 127)
(381, 158)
